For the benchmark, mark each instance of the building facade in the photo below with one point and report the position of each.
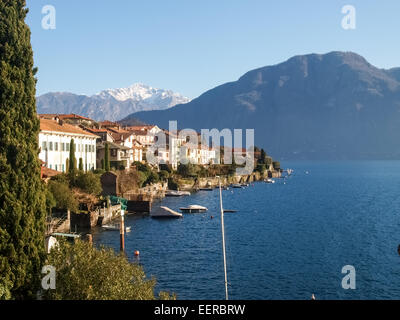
(54, 142)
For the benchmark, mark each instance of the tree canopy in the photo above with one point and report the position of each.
(22, 193)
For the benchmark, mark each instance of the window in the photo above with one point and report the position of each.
(62, 146)
(56, 166)
(44, 146)
(63, 168)
(51, 146)
(86, 148)
(67, 144)
(56, 147)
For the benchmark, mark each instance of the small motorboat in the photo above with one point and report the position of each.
(173, 193)
(206, 189)
(245, 185)
(270, 181)
(229, 211)
(194, 209)
(237, 186)
(165, 212)
(115, 227)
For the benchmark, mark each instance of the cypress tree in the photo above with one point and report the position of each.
(72, 159)
(107, 157)
(67, 165)
(22, 193)
(80, 164)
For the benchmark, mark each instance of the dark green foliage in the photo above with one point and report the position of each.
(67, 165)
(164, 175)
(263, 158)
(146, 175)
(152, 178)
(65, 199)
(261, 168)
(50, 201)
(186, 170)
(89, 183)
(107, 158)
(72, 159)
(172, 184)
(166, 167)
(87, 273)
(22, 193)
(99, 171)
(102, 164)
(80, 164)
(277, 165)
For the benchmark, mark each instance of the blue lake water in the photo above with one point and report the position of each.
(287, 240)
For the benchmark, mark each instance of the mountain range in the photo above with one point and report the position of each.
(317, 106)
(111, 104)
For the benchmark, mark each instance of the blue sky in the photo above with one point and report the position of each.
(192, 46)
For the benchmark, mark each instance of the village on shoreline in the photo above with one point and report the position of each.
(113, 171)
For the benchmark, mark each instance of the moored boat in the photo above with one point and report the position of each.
(237, 186)
(194, 209)
(165, 212)
(173, 193)
(115, 227)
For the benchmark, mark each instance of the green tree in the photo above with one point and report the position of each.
(163, 175)
(80, 164)
(89, 183)
(72, 159)
(102, 164)
(263, 158)
(67, 165)
(22, 193)
(63, 196)
(50, 201)
(87, 273)
(107, 157)
(277, 165)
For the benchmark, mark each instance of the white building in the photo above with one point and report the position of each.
(54, 142)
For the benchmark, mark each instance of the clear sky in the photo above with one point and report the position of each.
(190, 46)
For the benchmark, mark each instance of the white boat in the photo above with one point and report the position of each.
(194, 209)
(115, 227)
(269, 181)
(173, 193)
(165, 212)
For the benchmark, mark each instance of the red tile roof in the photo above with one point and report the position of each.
(54, 126)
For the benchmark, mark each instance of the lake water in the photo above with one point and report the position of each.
(287, 240)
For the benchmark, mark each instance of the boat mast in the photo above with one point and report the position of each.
(223, 239)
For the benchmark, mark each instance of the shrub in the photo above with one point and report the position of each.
(164, 175)
(87, 273)
(89, 183)
(63, 196)
(172, 184)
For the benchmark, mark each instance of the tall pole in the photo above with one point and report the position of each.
(122, 232)
(223, 239)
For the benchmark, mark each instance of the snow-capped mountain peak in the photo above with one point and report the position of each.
(111, 104)
(139, 92)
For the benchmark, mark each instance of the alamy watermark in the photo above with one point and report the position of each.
(49, 280)
(349, 280)
(349, 20)
(177, 144)
(49, 20)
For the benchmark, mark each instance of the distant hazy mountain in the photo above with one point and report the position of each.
(112, 104)
(331, 106)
